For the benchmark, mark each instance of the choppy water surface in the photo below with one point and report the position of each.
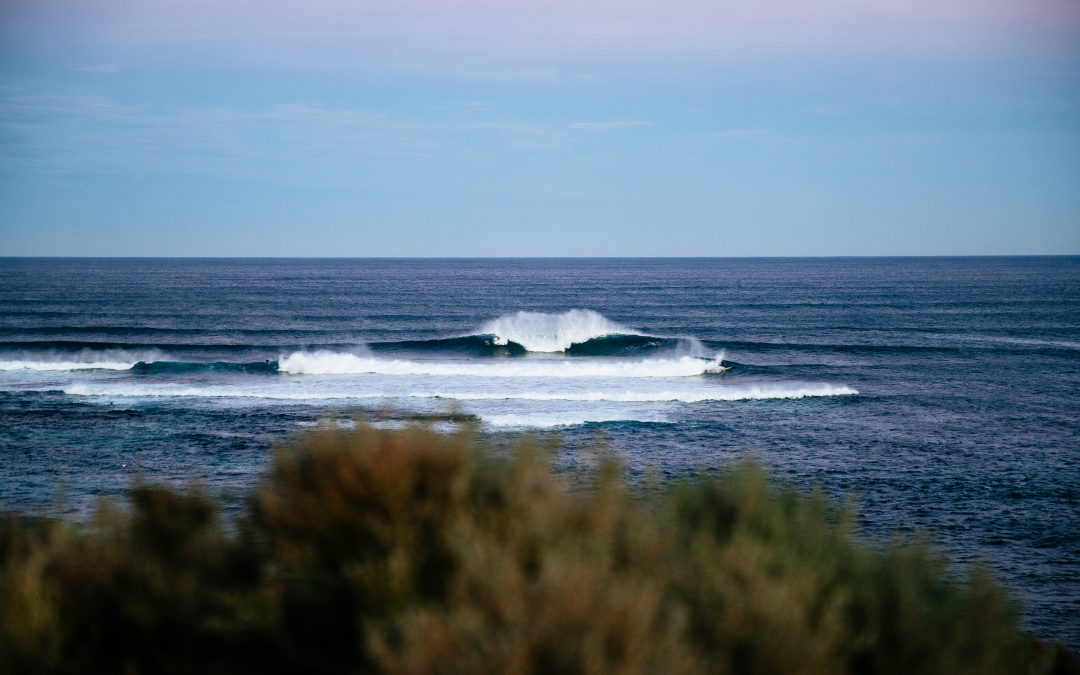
(944, 393)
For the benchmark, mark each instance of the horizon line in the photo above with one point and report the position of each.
(537, 257)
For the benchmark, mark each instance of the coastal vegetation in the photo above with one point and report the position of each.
(414, 551)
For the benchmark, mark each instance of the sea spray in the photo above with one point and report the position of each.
(541, 332)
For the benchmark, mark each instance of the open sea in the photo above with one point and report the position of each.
(942, 393)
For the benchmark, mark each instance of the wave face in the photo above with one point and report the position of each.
(148, 367)
(541, 332)
(336, 363)
(466, 345)
(186, 367)
(493, 345)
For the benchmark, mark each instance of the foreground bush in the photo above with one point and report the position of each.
(414, 552)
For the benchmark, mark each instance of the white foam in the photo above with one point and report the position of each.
(329, 424)
(550, 421)
(501, 421)
(696, 395)
(442, 427)
(542, 332)
(65, 365)
(752, 393)
(338, 363)
(84, 359)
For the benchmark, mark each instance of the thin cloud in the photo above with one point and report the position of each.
(553, 40)
(89, 133)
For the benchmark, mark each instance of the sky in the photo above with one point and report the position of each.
(539, 127)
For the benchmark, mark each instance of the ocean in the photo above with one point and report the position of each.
(942, 394)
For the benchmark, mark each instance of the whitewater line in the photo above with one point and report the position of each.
(752, 393)
(337, 363)
(49, 366)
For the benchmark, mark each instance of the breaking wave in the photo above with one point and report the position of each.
(493, 345)
(542, 332)
(337, 363)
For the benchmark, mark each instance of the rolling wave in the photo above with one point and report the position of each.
(577, 332)
(466, 345)
(337, 363)
(345, 363)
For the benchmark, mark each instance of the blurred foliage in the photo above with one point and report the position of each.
(411, 551)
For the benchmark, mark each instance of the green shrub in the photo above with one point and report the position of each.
(411, 551)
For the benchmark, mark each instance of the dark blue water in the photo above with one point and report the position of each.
(944, 393)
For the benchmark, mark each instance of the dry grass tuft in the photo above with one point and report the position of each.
(414, 552)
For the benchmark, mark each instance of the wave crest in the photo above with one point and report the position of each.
(338, 363)
(51, 366)
(543, 332)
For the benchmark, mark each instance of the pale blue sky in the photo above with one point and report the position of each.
(637, 127)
